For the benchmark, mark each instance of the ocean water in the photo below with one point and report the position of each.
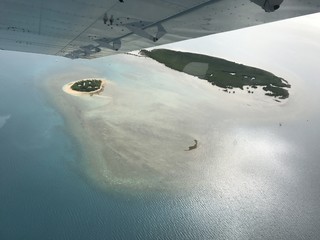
(264, 185)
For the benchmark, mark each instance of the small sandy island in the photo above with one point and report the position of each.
(67, 88)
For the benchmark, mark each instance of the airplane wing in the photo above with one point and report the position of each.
(97, 28)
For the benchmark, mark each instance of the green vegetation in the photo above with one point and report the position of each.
(86, 85)
(220, 72)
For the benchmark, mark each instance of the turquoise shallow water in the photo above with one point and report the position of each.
(43, 194)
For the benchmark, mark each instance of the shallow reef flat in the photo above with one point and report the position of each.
(136, 132)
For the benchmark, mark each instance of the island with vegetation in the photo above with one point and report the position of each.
(222, 73)
(87, 85)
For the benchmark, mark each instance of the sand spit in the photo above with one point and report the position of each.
(135, 133)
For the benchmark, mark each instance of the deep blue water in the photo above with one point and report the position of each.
(43, 194)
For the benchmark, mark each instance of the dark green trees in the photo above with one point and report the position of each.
(89, 85)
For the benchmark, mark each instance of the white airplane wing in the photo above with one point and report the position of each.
(97, 28)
